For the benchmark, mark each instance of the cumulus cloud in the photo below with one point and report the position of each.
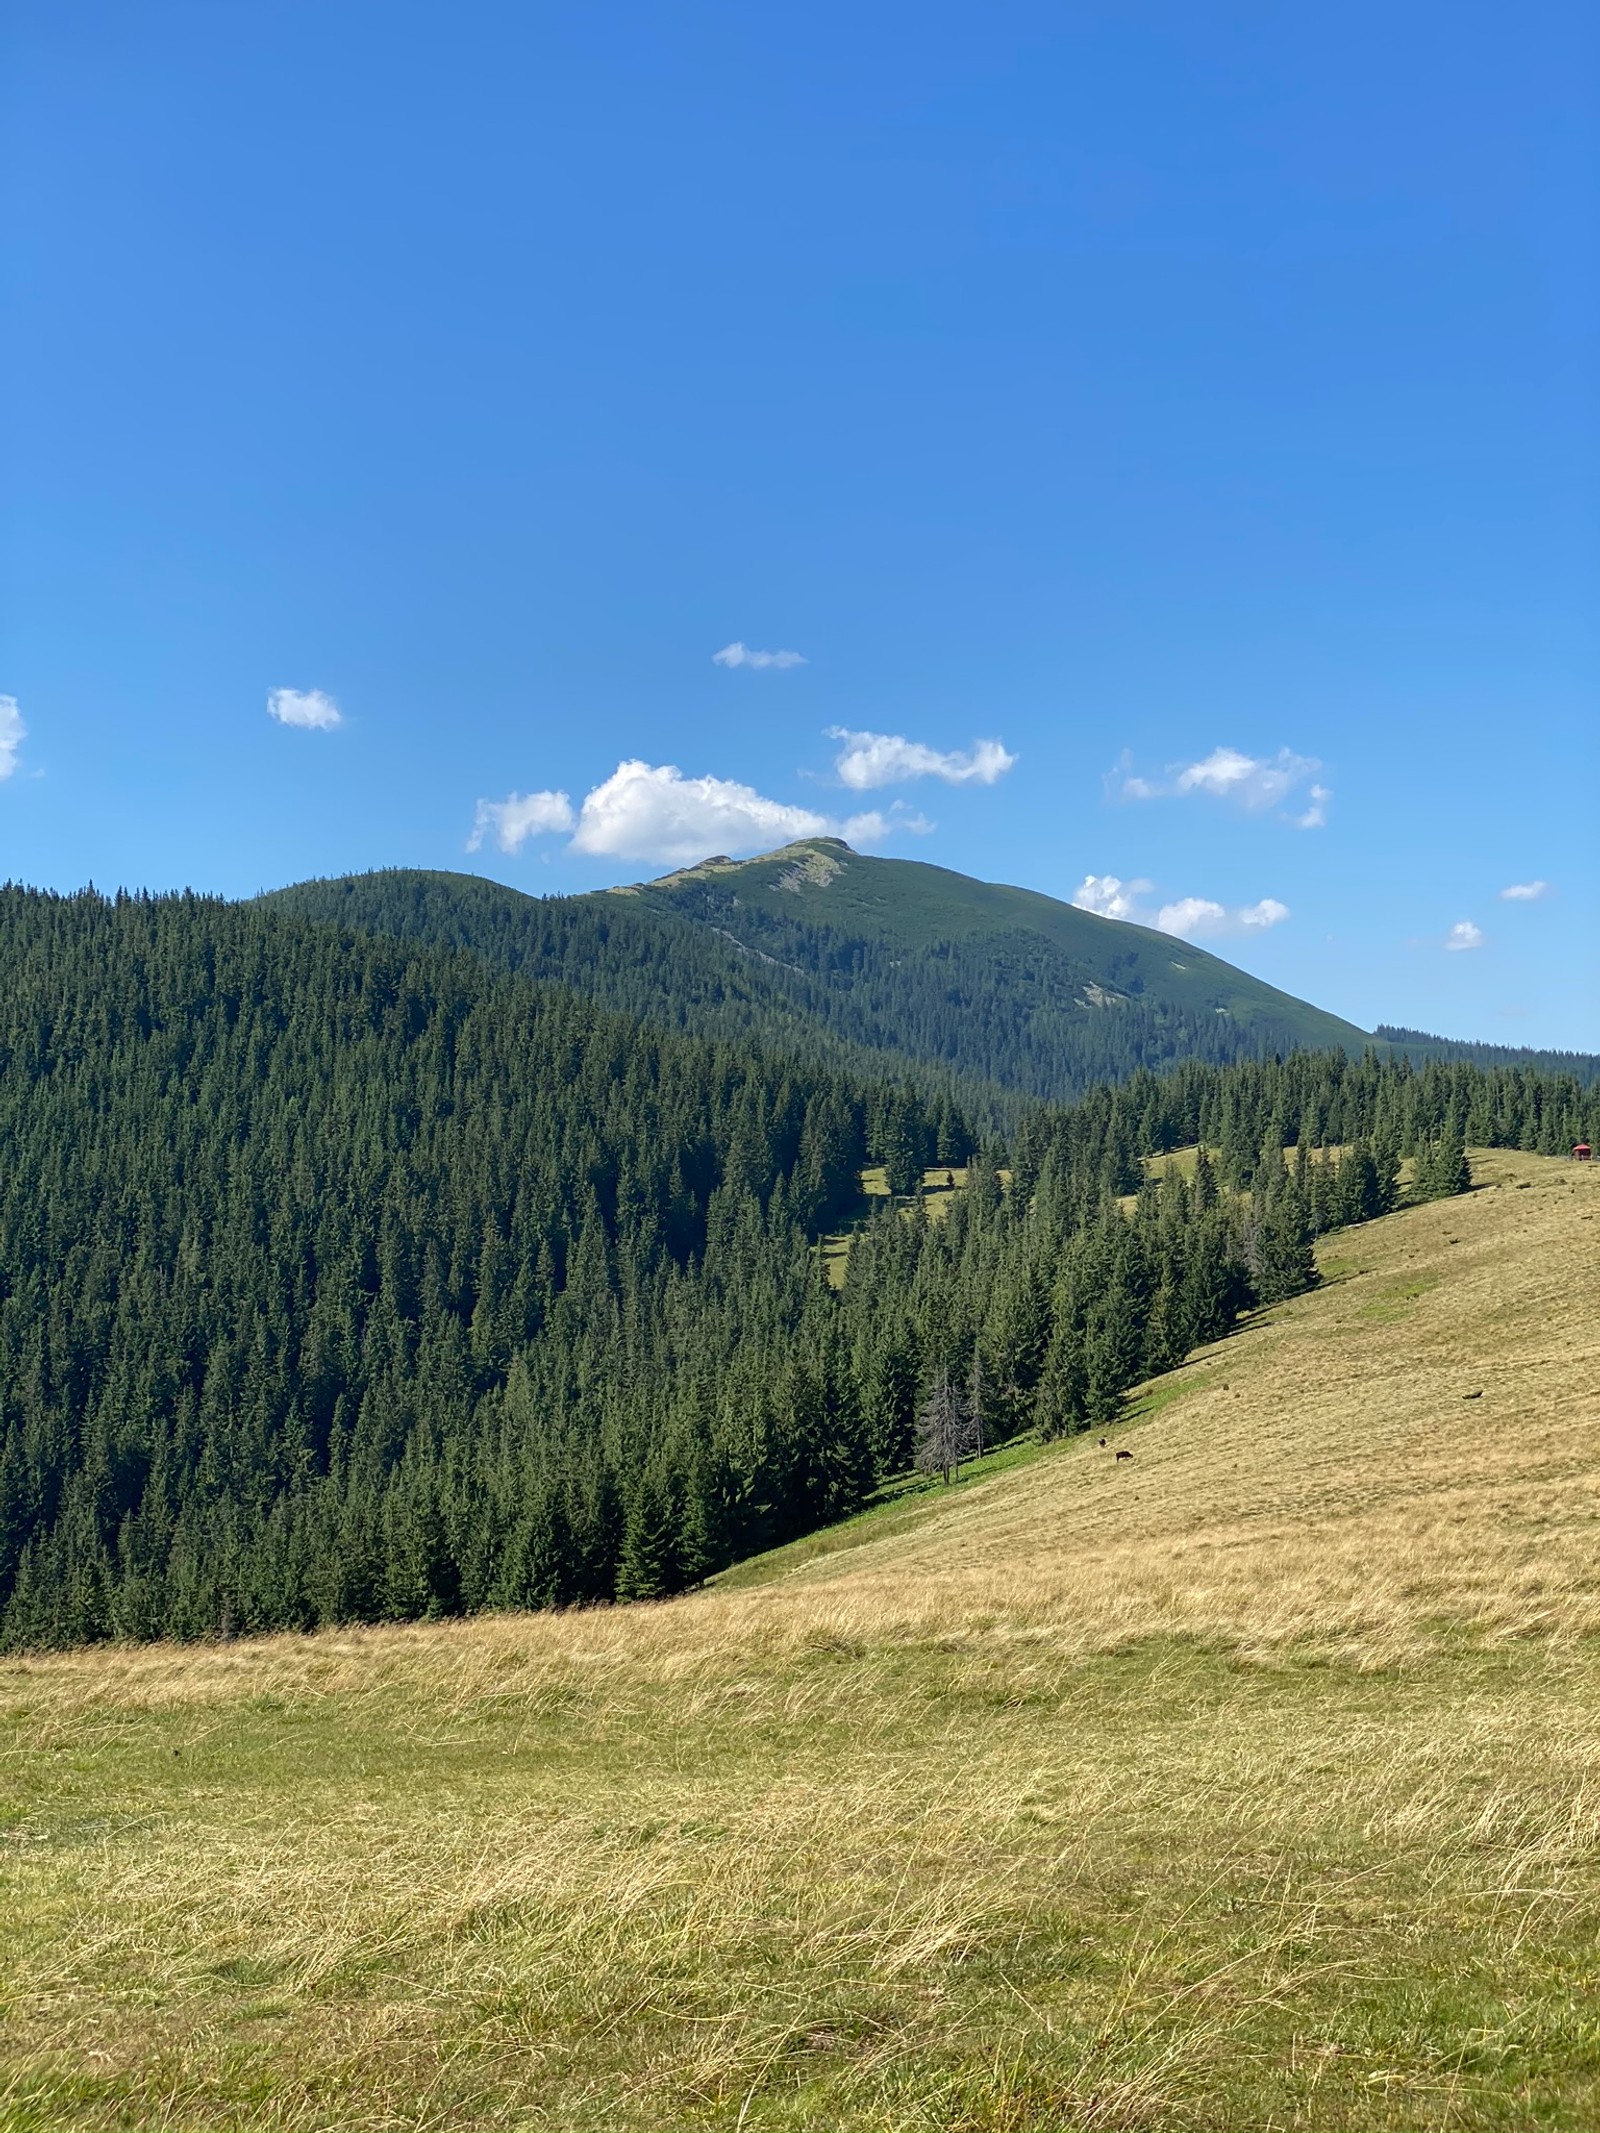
(12, 735)
(1191, 917)
(304, 707)
(868, 760)
(1194, 918)
(740, 655)
(1269, 912)
(1253, 783)
(1463, 934)
(652, 811)
(1110, 897)
(1519, 892)
(518, 817)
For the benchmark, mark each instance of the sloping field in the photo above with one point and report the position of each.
(1250, 1782)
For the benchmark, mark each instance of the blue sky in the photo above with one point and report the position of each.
(1197, 403)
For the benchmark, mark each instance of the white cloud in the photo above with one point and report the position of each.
(519, 816)
(1519, 892)
(876, 827)
(646, 811)
(652, 811)
(303, 707)
(1109, 897)
(740, 655)
(1190, 916)
(1251, 782)
(1463, 934)
(1269, 912)
(12, 735)
(871, 759)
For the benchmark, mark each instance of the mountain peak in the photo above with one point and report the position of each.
(817, 858)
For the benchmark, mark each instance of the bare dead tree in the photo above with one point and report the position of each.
(938, 1427)
(949, 1428)
(977, 1397)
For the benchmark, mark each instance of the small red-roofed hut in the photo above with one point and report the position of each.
(1582, 1152)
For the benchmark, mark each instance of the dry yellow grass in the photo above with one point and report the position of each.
(1250, 1782)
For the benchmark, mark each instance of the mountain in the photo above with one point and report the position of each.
(885, 965)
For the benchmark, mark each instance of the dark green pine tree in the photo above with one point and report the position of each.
(1442, 1169)
(1285, 1259)
(651, 1563)
(905, 1144)
(1113, 1351)
(1361, 1195)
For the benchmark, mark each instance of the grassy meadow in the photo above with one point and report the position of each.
(1251, 1782)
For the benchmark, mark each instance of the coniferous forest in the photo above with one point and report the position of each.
(997, 1019)
(345, 1279)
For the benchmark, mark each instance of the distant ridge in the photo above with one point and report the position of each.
(886, 966)
(1421, 1044)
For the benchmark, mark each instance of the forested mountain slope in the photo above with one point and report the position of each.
(919, 939)
(879, 964)
(342, 1279)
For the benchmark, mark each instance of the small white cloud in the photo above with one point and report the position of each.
(740, 655)
(1251, 782)
(1269, 912)
(1110, 897)
(1519, 892)
(1192, 916)
(1463, 934)
(304, 707)
(518, 817)
(876, 827)
(872, 759)
(12, 735)
(1254, 782)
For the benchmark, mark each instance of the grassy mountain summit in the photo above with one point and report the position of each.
(842, 910)
(888, 965)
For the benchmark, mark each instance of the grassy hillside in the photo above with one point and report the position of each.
(1246, 1782)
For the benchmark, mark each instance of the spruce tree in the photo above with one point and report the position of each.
(1286, 1262)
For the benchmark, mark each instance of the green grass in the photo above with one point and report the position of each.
(1390, 1303)
(906, 1501)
